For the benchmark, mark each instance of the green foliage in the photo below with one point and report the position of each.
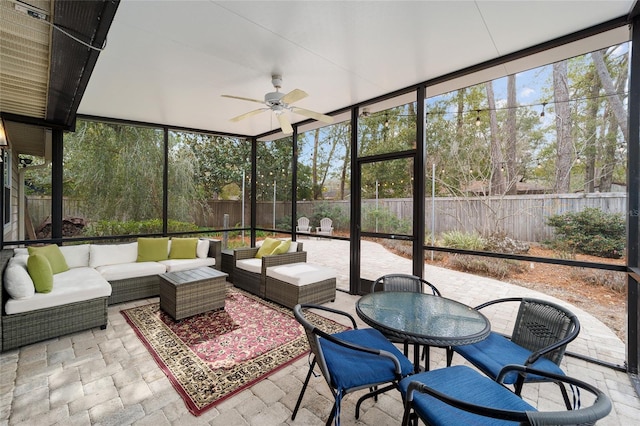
(495, 268)
(386, 221)
(284, 223)
(113, 227)
(462, 240)
(333, 212)
(590, 231)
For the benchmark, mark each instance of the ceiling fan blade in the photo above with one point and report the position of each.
(312, 114)
(284, 124)
(248, 114)
(243, 99)
(294, 96)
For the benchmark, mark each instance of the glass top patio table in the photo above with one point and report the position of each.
(423, 318)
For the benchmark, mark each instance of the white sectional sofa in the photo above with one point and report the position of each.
(99, 275)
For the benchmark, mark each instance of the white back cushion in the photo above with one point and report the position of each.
(76, 256)
(112, 254)
(17, 280)
(202, 250)
(19, 251)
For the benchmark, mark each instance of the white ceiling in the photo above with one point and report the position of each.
(168, 62)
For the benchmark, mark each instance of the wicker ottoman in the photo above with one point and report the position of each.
(191, 292)
(295, 283)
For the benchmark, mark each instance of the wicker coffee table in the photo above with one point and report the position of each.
(191, 292)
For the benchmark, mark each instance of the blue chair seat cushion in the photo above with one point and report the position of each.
(465, 384)
(352, 369)
(496, 351)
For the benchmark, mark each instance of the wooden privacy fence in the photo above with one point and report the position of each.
(522, 217)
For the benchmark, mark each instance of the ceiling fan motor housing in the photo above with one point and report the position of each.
(273, 99)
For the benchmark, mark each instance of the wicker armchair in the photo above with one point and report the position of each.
(255, 282)
(540, 336)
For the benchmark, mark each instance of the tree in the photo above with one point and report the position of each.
(511, 136)
(615, 102)
(497, 186)
(564, 143)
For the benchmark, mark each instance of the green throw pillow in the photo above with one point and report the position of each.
(153, 249)
(40, 272)
(183, 248)
(268, 245)
(282, 248)
(54, 256)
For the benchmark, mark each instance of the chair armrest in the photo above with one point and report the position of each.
(244, 253)
(215, 251)
(298, 308)
(600, 407)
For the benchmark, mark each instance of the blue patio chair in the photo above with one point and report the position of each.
(351, 360)
(405, 282)
(539, 338)
(462, 396)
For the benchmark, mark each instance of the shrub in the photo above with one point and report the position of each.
(152, 226)
(284, 223)
(387, 221)
(463, 240)
(616, 281)
(495, 268)
(590, 231)
(321, 210)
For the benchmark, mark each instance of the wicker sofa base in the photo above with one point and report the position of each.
(248, 281)
(30, 327)
(134, 289)
(290, 295)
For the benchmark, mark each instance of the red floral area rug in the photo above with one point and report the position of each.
(212, 356)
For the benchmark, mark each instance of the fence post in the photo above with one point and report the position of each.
(225, 234)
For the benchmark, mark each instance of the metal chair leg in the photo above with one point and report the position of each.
(304, 387)
(449, 356)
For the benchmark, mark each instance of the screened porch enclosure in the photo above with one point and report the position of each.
(476, 152)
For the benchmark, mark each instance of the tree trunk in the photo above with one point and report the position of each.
(591, 134)
(497, 186)
(459, 124)
(609, 155)
(614, 99)
(512, 178)
(563, 127)
(316, 191)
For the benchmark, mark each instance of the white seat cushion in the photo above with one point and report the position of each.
(300, 274)
(174, 265)
(74, 285)
(252, 265)
(131, 270)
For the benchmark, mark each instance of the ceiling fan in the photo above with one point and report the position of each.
(279, 103)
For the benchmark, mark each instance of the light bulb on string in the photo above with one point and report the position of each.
(544, 104)
(477, 117)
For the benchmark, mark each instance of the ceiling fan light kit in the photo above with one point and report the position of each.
(279, 102)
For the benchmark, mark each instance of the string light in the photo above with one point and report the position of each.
(543, 104)
(478, 117)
